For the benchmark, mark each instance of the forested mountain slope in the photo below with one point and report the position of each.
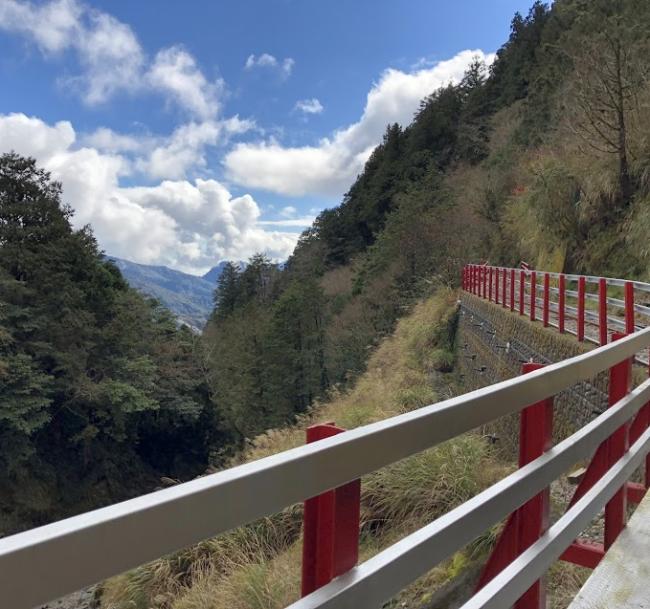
(188, 297)
(543, 157)
(100, 392)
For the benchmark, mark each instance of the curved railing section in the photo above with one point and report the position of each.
(591, 308)
(45, 563)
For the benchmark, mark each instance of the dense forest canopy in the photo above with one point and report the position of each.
(541, 156)
(100, 390)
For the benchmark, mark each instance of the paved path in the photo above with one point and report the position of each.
(622, 579)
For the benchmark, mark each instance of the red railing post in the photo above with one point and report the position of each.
(512, 289)
(620, 376)
(535, 438)
(629, 307)
(602, 310)
(522, 290)
(485, 278)
(503, 291)
(527, 524)
(490, 285)
(547, 296)
(330, 527)
(496, 286)
(581, 308)
(560, 305)
(533, 294)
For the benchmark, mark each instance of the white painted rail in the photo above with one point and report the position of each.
(45, 563)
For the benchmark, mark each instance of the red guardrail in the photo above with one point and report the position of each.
(510, 287)
(522, 290)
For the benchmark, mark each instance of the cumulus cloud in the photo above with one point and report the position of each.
(172, 156)
(329, 167)
(184, 149)
(309, 106)
(295, 222)
(175, 71)
(107, 140)
(265, 60)
(186, 224)
(107, 49)
(110, 55)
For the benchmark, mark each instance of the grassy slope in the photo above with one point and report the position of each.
(259, 565)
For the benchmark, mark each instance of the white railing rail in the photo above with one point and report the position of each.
(45, 563)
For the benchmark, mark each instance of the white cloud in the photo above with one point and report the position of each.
(188, 225)
(309, 106)
(294, 222)
(288, 211)
(111, 55)
(174, 156)
(329, 167)
(107, 49)
(175, 71)
(108, 140)
(265, 60)
(52, 26)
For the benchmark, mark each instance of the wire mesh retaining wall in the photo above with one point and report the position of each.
(487, 356)
(591, 311)
(45, 563)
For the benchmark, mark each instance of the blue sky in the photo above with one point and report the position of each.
(190, 132)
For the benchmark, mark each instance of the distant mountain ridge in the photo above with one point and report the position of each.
(189, 297)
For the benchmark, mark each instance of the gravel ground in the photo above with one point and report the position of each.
(79, 600)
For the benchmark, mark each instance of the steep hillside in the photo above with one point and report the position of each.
(189, 297)
(259, 565)
(543, 157)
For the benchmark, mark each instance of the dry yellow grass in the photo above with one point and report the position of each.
(258, 566)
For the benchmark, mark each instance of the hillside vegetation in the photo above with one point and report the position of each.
(542, 156)
(100, 392)
(188, 297)
(259, 565)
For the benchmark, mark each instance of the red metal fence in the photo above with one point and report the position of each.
(518, 289)
(600, 305)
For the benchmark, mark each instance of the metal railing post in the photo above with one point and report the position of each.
(646, 408)
(533, 294)
(629, 307)
(528, 523)
(503, 291)
(512, 289)
(602, 310)
(620, 377)
(522, 290)
(547, 290)
(581, 308)
(561, 303)
(330, 526)
(485, 282)
(490, 285)
(496, 286)
(535, 438)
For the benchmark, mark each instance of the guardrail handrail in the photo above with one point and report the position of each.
(528, 292)
(50, 561)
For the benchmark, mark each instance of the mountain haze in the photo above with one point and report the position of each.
(188, 297)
